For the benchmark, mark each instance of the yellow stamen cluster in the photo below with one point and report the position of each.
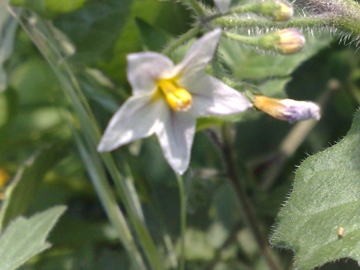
(179, 99)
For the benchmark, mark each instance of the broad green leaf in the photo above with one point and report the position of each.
(22, 189)
(24, 238)
(325, 197)
(249, 63)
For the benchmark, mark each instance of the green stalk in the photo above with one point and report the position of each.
(180, 181)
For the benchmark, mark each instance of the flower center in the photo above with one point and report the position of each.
(179, 99)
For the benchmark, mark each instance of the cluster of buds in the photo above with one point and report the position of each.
(286, 41)
(287, 109)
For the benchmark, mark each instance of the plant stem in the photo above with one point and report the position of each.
(181, 39)
(248, 211)
(300, 22)
(182, 219)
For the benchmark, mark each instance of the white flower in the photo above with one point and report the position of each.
(167, 99)
(287, 109)
(222, 5)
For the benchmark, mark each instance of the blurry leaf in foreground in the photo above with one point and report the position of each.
(325, 197)
(25, 238)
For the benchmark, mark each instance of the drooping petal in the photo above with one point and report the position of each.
(139, 117)
(210, 96)
(222, 5)
(176, 138)
(144, 69)
(197, 58)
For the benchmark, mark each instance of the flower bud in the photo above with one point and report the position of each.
(291, 41)
(278, 11)
(285, 41)
(287, 109)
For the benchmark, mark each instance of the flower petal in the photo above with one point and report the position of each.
(198, 56)
(212, 97)
(137, 118)
(222, 5)
(144, 69)
(176, 138)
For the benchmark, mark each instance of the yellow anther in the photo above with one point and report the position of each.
(179, 99)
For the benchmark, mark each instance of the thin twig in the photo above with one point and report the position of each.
(248, 211)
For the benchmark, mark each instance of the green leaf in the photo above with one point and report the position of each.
(25, 238)
(50, 8)
(325, 197)
(248, 63)
(152, 39)
(22, 189)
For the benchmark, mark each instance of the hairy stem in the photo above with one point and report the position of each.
(343, 23)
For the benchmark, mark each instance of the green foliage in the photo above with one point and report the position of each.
(325, 197)
(50, 8)
(25, 238)
(63, 75)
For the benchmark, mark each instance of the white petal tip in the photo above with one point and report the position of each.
(222, 5)
(103, 147)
